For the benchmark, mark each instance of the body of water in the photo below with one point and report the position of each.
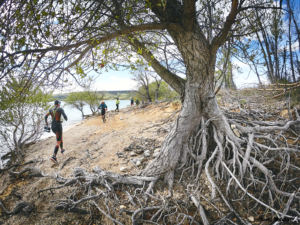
(75, 116)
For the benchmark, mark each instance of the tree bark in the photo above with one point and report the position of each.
(199, 102)
(157, 89)
(290, 44)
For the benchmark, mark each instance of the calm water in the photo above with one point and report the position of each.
(74, 116)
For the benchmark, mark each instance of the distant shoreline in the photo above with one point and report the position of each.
(106, 95)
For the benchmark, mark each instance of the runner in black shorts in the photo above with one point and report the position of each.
(56, 127)
(103, 108)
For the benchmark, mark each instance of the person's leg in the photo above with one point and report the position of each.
(54, 158)
(62, 150)
(57, 129)
(56, 148)
(103, 115)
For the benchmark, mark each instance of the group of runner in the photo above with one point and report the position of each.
(137, 101)
(57, 112)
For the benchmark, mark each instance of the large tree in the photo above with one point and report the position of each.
(59, 40)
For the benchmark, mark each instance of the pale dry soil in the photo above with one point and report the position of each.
(101, 140)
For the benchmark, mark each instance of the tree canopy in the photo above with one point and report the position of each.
(60, 40)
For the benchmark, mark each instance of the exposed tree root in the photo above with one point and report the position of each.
(247, 159)
(65, 162)
(20, 207)
(19, 164)
(38, 172)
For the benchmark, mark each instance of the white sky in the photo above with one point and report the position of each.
(247, 78)
(114, 81)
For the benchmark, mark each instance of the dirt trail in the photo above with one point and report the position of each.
(102, 140)
(89, 143)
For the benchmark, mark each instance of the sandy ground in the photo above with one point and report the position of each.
(91, 143)
(102, 140)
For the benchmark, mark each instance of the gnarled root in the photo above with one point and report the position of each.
(20, 207)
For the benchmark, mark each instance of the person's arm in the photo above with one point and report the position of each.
(64, 115)
(46, 118)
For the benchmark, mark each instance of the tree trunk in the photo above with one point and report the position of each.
(157, 89)
(231, 81)
(199, 102)
(148, 94)
(290, 47)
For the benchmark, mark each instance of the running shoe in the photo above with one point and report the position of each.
(54, 159)
(62, 151)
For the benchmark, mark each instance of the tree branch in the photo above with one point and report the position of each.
(189, 12)
(221, 37)
(99, 40)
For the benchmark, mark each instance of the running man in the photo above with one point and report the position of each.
(137, 102)
(103, 108)
(117, 104)
(131, 101)
(56, 127)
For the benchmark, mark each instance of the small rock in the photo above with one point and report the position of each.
(121, 118)
(156, 154)
(236, 132)
(142, 159)
(223, 209)
(139, 151)
(122, 207)
(132, 154)
(127, 149)
(123, 169)
(138, 163)
(251, 218)
(157, 150)
(135, 160)
(147, 153)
